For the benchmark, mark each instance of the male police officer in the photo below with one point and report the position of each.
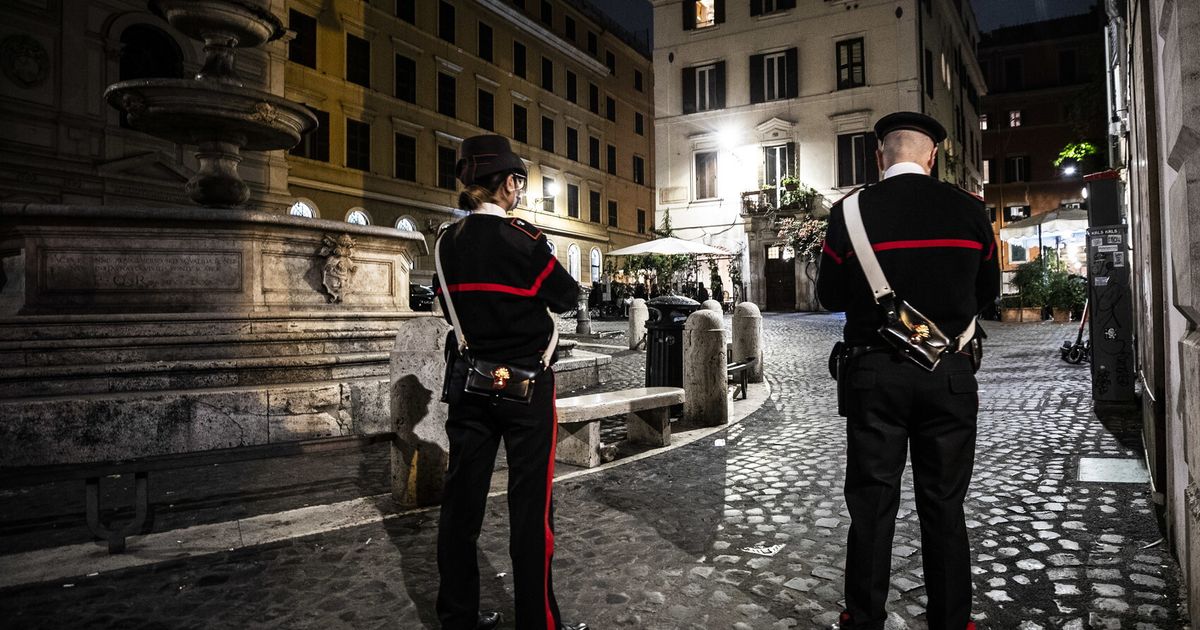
(937, 251)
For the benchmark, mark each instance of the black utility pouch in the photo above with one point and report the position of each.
(836, 358)
(839, 359)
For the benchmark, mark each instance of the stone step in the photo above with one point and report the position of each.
(90, 351)
(119, 326)
(81, 380)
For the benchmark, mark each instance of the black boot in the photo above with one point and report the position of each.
(487, 620)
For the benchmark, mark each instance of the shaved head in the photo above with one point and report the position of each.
(906, 145)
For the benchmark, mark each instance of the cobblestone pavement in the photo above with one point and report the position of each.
(742, 530)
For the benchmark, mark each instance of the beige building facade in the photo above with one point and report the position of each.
(749, 92)
(398, 84)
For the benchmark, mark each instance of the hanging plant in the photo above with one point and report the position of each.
(805, 235)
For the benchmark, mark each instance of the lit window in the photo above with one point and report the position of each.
(987, 171)
(1014, 118)
(406, 224)
(706, 13)
(595, 260)
(983, 122)
(301, 209)
(358, 216)
(573, 261)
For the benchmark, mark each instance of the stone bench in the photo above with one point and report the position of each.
(646, 417)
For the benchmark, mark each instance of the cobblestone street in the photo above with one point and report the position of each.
(744, 529)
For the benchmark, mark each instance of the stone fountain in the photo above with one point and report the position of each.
(138, 331)
(215, 111)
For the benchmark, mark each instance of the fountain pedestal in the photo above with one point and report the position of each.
(127, 332)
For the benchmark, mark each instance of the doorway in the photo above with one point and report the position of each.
(780, 278)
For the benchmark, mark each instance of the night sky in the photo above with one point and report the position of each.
(635, 15)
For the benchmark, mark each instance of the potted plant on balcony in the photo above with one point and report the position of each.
(796, 196)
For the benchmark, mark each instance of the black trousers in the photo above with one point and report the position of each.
(475, 427)
(893, 403)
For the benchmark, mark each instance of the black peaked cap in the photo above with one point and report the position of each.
(481, 156)
(910, 120)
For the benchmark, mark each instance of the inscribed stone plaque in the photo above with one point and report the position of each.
(144, 270)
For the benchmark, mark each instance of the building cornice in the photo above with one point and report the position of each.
(562, 46)
(369, 194)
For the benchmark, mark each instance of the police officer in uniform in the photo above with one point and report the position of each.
(501, 277)
(936, 248)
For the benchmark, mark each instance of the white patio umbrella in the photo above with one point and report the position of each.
(670, 245)
(1061, 223)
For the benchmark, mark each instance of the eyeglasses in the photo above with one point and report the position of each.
(520, 181)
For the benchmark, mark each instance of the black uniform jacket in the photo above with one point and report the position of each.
(502, 276)
(935, 245)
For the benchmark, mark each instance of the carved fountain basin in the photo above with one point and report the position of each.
(190, 112)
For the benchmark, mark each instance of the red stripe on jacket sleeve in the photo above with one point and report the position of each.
(832, 254)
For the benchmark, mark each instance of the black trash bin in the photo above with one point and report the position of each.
(664, 340)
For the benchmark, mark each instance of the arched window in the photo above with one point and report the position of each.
(406, 224)
(358, 216)
(303, 208)
(553, 247)
(573, 261)
(148, 52)
(596, 264)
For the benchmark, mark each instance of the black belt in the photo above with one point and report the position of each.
(858, 351)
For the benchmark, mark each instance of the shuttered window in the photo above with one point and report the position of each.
(773, 76)
(856, 159)
(704, 88)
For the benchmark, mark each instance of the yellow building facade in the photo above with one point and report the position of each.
(397, 85)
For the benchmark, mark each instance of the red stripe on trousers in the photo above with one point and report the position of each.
(991, 250)
(550, 622)
(504, 288)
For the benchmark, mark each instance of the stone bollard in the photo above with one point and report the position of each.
(420, 453)
(639, 314)
(713, 306)
(747, 337)
(583, 319)
(706, 394)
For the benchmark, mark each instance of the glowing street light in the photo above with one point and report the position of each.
(552, 189)
(1069, 170)
(727, 138)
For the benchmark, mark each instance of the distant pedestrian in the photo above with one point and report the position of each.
(937, 253)
(496, 278)
(702, 294)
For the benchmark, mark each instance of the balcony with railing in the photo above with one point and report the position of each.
(790, 198)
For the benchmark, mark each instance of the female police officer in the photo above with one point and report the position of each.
(497, 277)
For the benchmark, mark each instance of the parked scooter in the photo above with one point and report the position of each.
(1081, 350)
